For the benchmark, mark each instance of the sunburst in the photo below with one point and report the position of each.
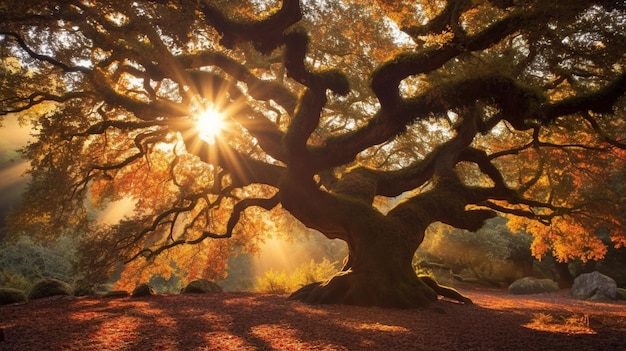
(210, 123)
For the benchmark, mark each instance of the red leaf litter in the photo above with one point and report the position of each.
(252, 321)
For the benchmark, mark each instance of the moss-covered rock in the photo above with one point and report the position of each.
(143, 290)
(531, 285)
(49, 287)
(201, 286)
(10, 295)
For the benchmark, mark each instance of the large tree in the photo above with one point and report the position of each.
(458, 110)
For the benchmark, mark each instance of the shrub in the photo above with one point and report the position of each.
(283, 283)
(49, 287)
(9, 295)
(26, 261)
(274, 283)
(15, 281)
(493, 254)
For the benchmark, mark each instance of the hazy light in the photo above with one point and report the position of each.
(116, 210)
(12, 166)
(12, 175)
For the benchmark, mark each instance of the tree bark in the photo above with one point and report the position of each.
(378, 271)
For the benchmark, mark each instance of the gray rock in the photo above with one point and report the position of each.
(201, 286)
(531, 285)
(594, 286)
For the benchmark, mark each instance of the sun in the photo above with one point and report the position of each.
(210, 124)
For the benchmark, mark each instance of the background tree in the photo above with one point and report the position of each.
(465, 109)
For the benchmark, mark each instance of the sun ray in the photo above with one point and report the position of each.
(210, 124)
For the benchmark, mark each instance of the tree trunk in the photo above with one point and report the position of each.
(566, 280)
(378, 272)
(379, 269)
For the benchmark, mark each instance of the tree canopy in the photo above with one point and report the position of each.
(365, 120)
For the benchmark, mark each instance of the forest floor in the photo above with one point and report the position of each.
(253, 321)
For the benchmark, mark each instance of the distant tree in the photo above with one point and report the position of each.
(208, 114)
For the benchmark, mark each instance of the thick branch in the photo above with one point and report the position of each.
(242, 205)
(243, 169)
(266, 34)
(445, 203)
(517, 102)
(600, 101)
(448, 17)
(257, 88)
(311, 102)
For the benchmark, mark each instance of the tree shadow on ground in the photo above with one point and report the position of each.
(246, 321)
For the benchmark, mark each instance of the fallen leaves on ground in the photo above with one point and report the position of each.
(252, 321)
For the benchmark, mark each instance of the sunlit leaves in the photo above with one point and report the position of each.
(469, 84)
(565, 238)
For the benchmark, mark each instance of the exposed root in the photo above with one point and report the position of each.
(445, 291)
(354, 289)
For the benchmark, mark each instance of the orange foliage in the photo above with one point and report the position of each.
(207, 260)
(566, 238)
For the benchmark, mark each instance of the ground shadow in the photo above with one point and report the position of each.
(247, 321)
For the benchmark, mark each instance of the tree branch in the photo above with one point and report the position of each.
(600, 101)
(24, 103)
(45, 58)
(266, 34)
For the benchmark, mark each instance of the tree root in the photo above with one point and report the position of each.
(444, 290)
(351, 289)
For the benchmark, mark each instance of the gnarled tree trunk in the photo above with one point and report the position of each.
(378, 272)
(379, 269)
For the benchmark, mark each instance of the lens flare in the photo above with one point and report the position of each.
(210, 124)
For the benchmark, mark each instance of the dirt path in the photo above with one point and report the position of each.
(248, 321)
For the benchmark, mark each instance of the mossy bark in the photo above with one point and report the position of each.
(382, 287)
(378, 271)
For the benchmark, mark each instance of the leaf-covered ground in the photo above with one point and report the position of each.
(248, 321)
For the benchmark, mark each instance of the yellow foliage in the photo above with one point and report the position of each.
(307, 273)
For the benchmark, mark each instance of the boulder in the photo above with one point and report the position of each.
(532, 285)
(613, 265)
(594, 286)
(143, 290)
(9, 295)
(201, 286)
(49, 287)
